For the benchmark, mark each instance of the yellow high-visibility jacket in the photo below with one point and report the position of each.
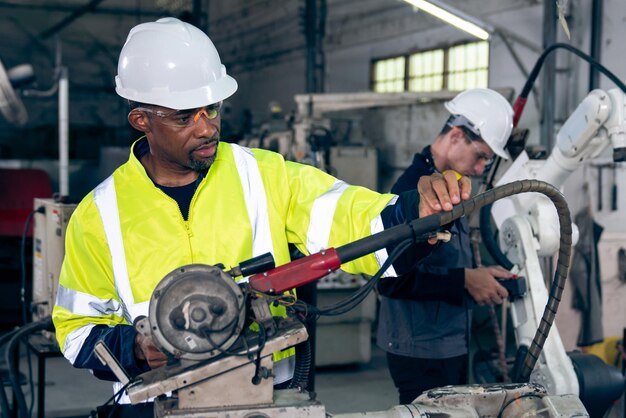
(127, 234)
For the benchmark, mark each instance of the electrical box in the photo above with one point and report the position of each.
(48, 252)
(357, 165)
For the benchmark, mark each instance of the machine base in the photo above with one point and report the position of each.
(287, 403)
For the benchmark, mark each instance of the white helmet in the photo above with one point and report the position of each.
(172, 64)
(490, 114)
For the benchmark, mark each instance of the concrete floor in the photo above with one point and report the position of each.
(71, 392)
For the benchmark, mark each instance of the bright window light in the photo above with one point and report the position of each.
(389, 75)
(451, 18)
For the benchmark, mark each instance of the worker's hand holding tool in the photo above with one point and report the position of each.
(145, 350)
(482, 284)
(440, 191)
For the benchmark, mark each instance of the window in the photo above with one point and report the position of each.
(454, 68)
(467, 66)
(426, 71)
(389, 75)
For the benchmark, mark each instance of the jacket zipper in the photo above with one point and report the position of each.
(185, 223)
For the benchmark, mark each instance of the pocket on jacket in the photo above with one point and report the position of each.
(436, 320)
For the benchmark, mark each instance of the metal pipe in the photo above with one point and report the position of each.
(321, 35)
(597, 7)
(64, 188)
(549, 74)
(310, 19)
(92, 5)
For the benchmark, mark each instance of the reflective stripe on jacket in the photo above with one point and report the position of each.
(127, 234)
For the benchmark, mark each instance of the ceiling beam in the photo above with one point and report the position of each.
(115, 11)
(69, 19)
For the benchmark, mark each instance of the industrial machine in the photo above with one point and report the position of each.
(599, 121)
(51, 219)
(219, 366)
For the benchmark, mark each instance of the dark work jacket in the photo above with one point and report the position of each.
(427, 313)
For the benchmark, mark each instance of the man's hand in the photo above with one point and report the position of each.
(440, 191)
(146, 350)
(483, 287)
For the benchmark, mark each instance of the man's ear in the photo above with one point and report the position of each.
(139, 120)
(457, 135)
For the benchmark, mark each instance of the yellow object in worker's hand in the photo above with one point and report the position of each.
(456, 174)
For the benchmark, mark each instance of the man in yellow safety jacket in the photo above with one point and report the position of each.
(185, 197)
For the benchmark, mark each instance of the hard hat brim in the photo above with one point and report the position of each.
(215, 92)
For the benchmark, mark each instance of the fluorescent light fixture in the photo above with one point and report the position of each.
(453, 17)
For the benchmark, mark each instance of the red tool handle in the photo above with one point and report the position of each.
(296, 273)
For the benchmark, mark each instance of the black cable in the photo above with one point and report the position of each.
(256, 379)
(300, 379)
(4, 400)
(44, 324)
(27, 223)
(23, 263)
(308, 311)
(489, 240)
(595, 64)
(520, 101)
(357, 297)
(115, 399)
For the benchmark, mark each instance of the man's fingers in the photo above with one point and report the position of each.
(502, 292)
(458, 184)
(428, 198)
(440, 191)
(500, 273)
(465, 186)
(440, 186)
(452, 180)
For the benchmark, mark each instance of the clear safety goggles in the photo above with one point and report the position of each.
(481, 155)
(473, 134)
(185, 118)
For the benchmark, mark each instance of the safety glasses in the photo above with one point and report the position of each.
(472, 135)
(481, 155)
(184, 118)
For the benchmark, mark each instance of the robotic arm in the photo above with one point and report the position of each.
(527, 224)
(598, 121)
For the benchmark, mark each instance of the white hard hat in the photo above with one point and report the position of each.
(172, 64)
(490, 115)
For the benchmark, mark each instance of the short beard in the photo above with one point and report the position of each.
(201, 166)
